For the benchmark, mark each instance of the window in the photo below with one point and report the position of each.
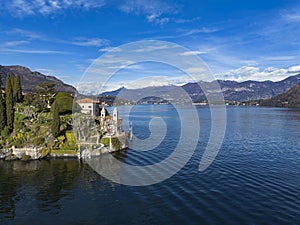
(90, 107)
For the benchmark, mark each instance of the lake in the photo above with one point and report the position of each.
(255, 178)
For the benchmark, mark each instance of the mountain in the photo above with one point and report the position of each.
(114, 93)
(291, 98)
(232, 90)
(30, 80)
(140, 95)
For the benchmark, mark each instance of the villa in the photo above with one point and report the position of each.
(108, 129)
(89, 106)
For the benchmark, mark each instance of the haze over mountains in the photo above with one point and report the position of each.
(232, 90)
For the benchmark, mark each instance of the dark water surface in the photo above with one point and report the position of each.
(255, 178)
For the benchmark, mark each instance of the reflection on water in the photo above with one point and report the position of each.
(43, 182)
(254, 179)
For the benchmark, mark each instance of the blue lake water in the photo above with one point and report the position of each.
(255, 178)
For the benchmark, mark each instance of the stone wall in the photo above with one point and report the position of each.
(34, 153)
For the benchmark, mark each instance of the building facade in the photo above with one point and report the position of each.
(89, 106)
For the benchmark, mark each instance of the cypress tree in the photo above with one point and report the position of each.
(2, 113)
(17, 90)
(55, 127)
(2, 107)
(9, 102)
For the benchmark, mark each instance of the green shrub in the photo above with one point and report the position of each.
(5, 132)
(17, 143)
(62, 94)
(20, 117)
(39, 141)
(18, 125)
(45, 152)
(114, 141)
(64, 102)
(71, 138)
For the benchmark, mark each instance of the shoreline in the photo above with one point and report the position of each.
(38, 153)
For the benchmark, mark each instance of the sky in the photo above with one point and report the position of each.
(237, 40)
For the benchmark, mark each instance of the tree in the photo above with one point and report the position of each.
(46, 88)
(2, 108)
(29, 98)
(64, 101)
(55, 127)
(46, 92)
(17, 89)
(2, 114)
(9, 102)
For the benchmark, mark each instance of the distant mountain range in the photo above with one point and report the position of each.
(30, 80)
(291, 98)
(232, 90)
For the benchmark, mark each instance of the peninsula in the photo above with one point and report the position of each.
(47, 122)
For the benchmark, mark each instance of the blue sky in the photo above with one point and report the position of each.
(238, 40)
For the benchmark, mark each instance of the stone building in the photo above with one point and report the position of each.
(89, 106)
(110, 125)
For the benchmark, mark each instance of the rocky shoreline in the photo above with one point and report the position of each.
(35, 153)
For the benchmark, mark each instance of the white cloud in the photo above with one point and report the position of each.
(279, 58)
(155, 19)
(152, 17)
(148, 82)
(180, 20)
(291, 16)
(90, 87)
(110, 49)
(147, 8)
(151, 48)
(155, 46)
(151, 81)
(47, 7)
(158, 19)
(240, 74)
(181, 80)
(153, 11)
(29, 51)
(188, 53)
(30, 36)
(24, 33)
(194, 70)
(14, 43)
(254, 73)
(155, 81)
(90, 42)
(294, 69)
(204, 30)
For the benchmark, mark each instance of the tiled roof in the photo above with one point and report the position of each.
(87, 100)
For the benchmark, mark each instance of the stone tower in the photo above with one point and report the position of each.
(103, 113)
(115, 115)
